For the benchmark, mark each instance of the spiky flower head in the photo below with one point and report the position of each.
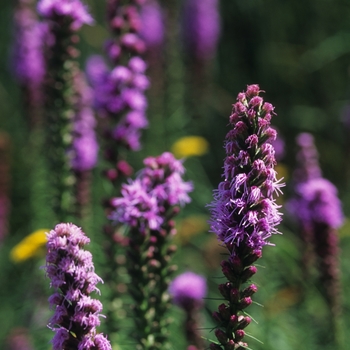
(244, 211)
(71, 271)
(158, 187)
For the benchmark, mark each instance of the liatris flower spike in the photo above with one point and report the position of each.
(71, 271)
(63, 19)
(318, 212)
(201, 27)
(147, 206)
(187, 291)
(244, 214)
(28, 57)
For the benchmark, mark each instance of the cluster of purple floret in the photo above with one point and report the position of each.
(244, 210)
(71, 271)
(158, 187)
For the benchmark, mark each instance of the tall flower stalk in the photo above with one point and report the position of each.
(200, 27)
(318, 212)
(147, 207)
(71, 271)
(64, 19)
(119, 84)
(28, 58)
(244, 213)
(187, 291)
(85, 146)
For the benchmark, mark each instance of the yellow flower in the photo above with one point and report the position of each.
(191, 226)
(190, 146)
(29, 246)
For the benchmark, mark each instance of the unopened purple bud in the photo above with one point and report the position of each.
(252, 257)
(239, 335)
(217, 317)
(248, 273)
(229, 274)
(231, 345)
(224, 311)
(214, 346)
(233, 321)
(249, 291)
(224, 289)
(244, 302)
(234, 295)
(244, 322)
(221, 335)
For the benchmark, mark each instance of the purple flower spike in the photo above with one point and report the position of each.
(120, 89)
(244, 214)
(188, 291)
(307, 159)
(85, 146)
(147, 206)
(158, 187)
(201, 27)
(71, 271)
(188, 288)
(244, 211)
(51, 9)
(28, 51)
(318, 203)
(152, 27)
(318, 213)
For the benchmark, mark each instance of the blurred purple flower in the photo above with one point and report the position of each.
(85, 146)
(19, 339)
(318, 212)
(152, 27)
(29, 66)
(121, 92)
(120, 89)
(71, 271)
(158, 187)
(315, 199)
(317, 202)
(307, 159)
(188, 289)
(73, 9)
(201, 27)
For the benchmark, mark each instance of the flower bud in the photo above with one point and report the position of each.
(244, 302)
(249, 291)
(221, 336)
(239, 334)
(248, 272)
